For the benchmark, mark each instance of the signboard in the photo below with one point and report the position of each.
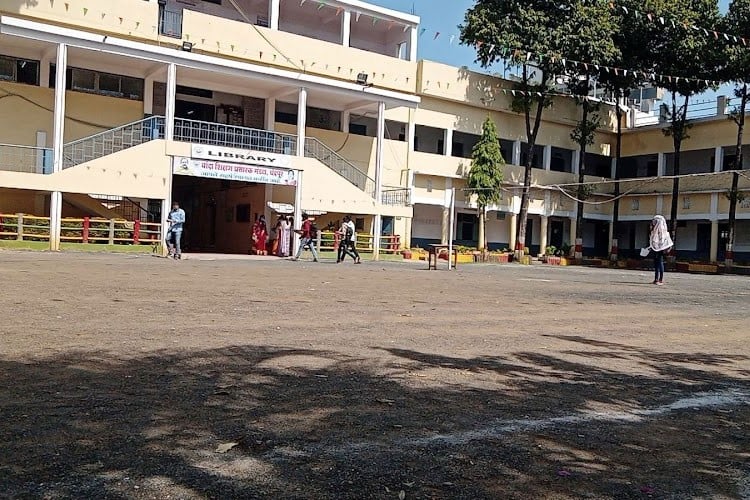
(233, 171)
(239, 155)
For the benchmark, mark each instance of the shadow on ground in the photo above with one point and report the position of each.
(316, 424)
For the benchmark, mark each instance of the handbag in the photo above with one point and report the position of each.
(645, 251)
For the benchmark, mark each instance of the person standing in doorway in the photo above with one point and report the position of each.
(307, 233)
(176, 220)
(260, 236)
(660, 242)
(284, 234)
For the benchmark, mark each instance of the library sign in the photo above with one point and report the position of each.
(235, 164)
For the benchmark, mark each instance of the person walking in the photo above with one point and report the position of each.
(660, 243)
(307, 233)
(345, 235)
(351, 239)
(176, 220)
(284, 231)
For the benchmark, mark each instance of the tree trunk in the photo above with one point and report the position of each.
(581, 174)
(679, 117)
(618, 155)
(482, 225)
(531, 134)
(734, 193)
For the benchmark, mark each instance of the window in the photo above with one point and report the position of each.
(357, 129)
(95, 82)
(17, 70)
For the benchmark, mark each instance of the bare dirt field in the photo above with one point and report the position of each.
(138, 377)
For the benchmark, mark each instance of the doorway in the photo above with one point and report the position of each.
(601, 239)
(556, 233)
(467, 228)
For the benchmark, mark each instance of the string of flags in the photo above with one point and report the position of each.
(520, 54)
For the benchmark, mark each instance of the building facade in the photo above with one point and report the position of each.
(234, 107)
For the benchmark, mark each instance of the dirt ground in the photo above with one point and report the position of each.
(127, 376)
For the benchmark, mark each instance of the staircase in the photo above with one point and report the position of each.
(113, 140)
(328, 157)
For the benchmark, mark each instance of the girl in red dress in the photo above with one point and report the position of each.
(260, 236)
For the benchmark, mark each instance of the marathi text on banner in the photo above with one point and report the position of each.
(234, 171)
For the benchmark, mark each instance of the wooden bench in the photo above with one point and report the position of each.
(434, 252)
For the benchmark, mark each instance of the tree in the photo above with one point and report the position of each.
(596, 52)
(486, 175)
(535, 36)
(737, 21)
(631, 36)
(583, 134)
(691, 59)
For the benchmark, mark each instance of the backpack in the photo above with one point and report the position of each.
(313, 231)
(349, 233)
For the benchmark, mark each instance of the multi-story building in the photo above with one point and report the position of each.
(237, 107)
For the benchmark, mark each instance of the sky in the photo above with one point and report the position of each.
(444, 16)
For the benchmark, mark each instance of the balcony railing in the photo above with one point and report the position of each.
(170, 22)
(400, 197)
(27, 159)
(111, 141)
(199, 132)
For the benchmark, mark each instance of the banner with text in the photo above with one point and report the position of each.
(239, 155)
(233, 171)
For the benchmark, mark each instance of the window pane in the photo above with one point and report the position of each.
(84, 80)
(132, 88)
(27, 72)
(7, 69)
(109, 84)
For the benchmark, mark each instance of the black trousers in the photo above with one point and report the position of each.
(347, 247)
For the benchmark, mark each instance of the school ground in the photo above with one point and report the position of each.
(128, 376)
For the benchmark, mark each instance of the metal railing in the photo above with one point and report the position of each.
(170, 23)
(27, 159)
(22, 227)
(111, 141)
(316, 149)
(400, 197)
(233, 136)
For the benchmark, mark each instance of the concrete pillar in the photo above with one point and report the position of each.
(714, 251)
(613, 169)
(543, 233)
(346, 28)
(58, 139)
(448, 139)
(513, 221)
(547, 158)
(148, 95)
(379, 143)
(411, 132)
(171, 100)
(516, 153)
(270, 120)
(661, 164)
(44, 69)
(268, 195)
(413, 44)
(273, 14)
(718, 159)
(376, 232)
(297, 211)
(576, 158)
(445, 226)
(346, 119)
(301, 121)
(573, 227)
(406, 237)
